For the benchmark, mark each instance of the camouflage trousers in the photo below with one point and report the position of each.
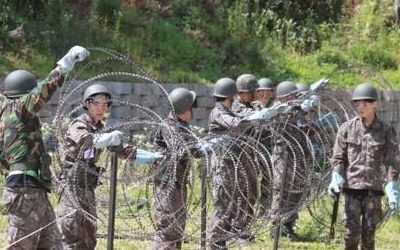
(170, 215)
(290, 178)
(77, 215)
(369, 209)
(235, 196)
(30, 212)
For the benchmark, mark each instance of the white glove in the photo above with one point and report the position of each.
(214, 144)
(336, 184)
(75, 54)
(268, 113)
(392, 193)
(146, 157)
(310, 103)
(113, 138)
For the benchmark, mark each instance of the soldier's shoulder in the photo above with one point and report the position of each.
(347, 125)
(80, 119)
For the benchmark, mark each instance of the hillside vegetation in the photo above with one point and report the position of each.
(202, 41)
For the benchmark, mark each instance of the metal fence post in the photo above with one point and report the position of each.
(111, 202)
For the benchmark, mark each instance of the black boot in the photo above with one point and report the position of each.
(220, 245)
(288, 231)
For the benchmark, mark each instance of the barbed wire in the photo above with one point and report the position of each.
(253, 151)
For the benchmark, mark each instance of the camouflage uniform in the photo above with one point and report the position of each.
(78, 180)
(25, 195)
(289, 169)
(250, 171)
(234, 185)
(242, 109)
(170, 182)
(264, 137)
(358, 155)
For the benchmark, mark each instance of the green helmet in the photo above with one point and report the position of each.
(246, 82)
(182, 100)
(225, 87)
(18, 83)
(365, 91)
(302, 87)
(285, 88)
(265, 83)
(94, 90)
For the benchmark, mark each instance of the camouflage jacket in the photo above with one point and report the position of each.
(242, 109)
(79, 142)
(20, 131)
(175, 138)
(222, 119)
(360, 152)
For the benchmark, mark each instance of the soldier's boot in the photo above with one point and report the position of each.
(220, 245)
(288, 231)
(351, 247)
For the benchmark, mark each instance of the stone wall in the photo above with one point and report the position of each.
(151, 96)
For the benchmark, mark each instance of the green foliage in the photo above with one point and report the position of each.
(203, 41)
(107, 11)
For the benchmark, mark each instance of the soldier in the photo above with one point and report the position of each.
(242, 107)
(233, 209)
(171, 177)
(265, 93)
(246, 85)
(29, 178)
(84, 142)
(288, 164)
(363, 145)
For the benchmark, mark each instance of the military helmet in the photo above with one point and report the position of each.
(94, 90)
(18, 83)
(302, 87)
(285, 88)
(246, 82)
(182, 100)
(265, 84)
(225, 87)
(365, 91)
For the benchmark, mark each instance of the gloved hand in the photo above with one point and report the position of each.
(336, 184)
(75, 54)
(311, 103)
(268, 113)
(146, 157)
(114, 138)
(213, 145)
(392, 192)
(327, 120)
(315, 87)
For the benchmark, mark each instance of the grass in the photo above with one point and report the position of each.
(133, 220)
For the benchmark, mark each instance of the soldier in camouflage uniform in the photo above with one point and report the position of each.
(246, 85)
(233, 209)
(243, 107)
(265, 94)
(288, 162)
(29, 178)
(363, 145)
(84, 142)
(171, 176)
